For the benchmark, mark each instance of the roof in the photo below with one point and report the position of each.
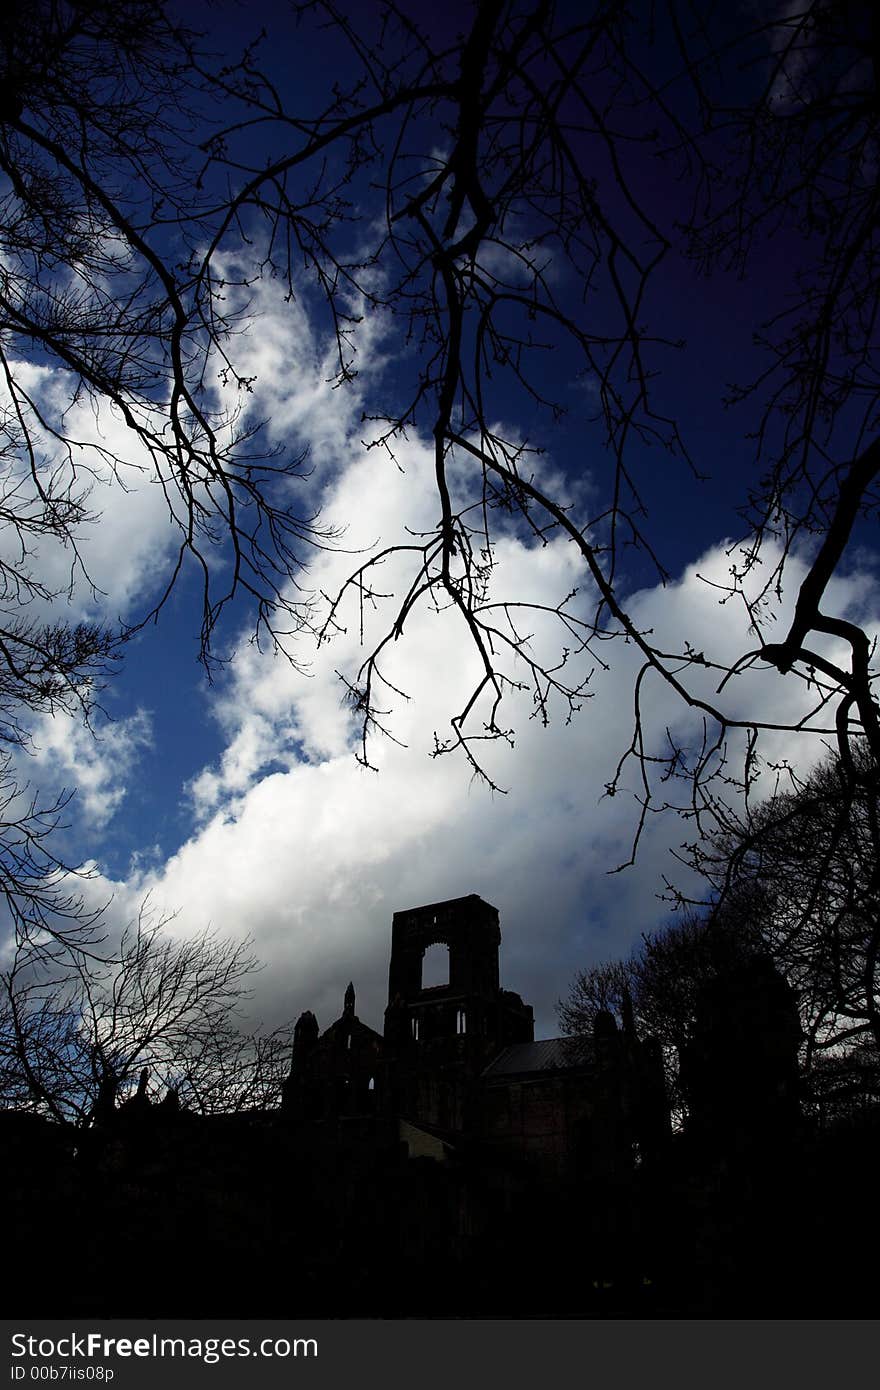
(551, 1054)
(349, 1024)
(447, 902)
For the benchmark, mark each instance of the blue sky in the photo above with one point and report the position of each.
(240, 803)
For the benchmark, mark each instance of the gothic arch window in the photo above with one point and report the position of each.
(435, 966)
(461, 1022)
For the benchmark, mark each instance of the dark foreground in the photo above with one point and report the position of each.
(236, 1217)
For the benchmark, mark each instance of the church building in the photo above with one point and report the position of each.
(457, 1067)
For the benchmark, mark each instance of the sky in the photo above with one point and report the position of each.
(239, 803)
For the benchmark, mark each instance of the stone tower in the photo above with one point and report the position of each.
(444, 1034)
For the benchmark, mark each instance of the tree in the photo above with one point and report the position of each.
(815, 853)
(493, 197)
(104, 105)
(661, 978)
(76, 1033)
(105, 109)
(795, 880)
(516, 217)
(659, 984)
(603, 988)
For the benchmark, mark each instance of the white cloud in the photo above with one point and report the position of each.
(294, 368)
(97, 764)
(298, 846)
(311, 854)
(124, 551)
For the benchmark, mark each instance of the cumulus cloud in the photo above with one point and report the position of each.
(98, 764)
(310, 853)
(297, 845)
(295, 367)
(128, 542)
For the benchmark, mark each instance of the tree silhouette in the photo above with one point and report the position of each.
(661, 982)
(795, 880)
(494, 197)
(814, 852)
(104, 106)
(77, 1032)
(491, 197)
